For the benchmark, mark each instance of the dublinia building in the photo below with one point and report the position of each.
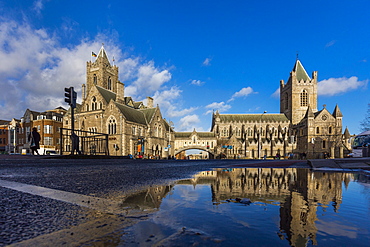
(300, 128)
(133, 128)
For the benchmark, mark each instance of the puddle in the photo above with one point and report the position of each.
(254, 207)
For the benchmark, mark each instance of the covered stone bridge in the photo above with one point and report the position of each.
(205, 141)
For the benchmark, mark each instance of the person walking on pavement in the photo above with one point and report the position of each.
(34, 139)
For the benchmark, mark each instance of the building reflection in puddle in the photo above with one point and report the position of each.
(300, 199)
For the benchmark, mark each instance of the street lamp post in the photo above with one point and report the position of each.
(259, 136)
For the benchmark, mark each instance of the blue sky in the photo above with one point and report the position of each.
(192, 57)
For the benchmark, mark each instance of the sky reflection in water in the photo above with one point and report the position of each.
(289, 207)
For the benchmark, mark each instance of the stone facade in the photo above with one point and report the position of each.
(318, 133)
(238, 135)
(133, 128)
(299, 130)
(205, 141)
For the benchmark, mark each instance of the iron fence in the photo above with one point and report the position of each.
(83, 142)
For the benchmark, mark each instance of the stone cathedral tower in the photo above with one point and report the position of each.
(132, 127)
(298, 93)
(101, 73)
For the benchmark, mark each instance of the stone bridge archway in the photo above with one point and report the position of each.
(211, 154)
(205, 141)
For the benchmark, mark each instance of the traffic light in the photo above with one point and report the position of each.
(68, 95)
(71, 96)
(74, 98)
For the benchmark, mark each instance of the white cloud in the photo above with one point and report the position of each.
(244, 92)
(276, 94)
(207, 62)
(149, 80)
(38, 5)
(333, 86)
(220, 106)
(37, 68)
(197, 82)
(188, 123)
(168, 102)
(331, 43)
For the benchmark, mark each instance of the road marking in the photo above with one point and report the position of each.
(96, 203)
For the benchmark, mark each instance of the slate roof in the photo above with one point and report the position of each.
(300, 71)
(107, 95)
(148, 113)
(347, 135)
(3, 122)
(337, 112)
(132, 114)
(309, 112)
(102, 53)
(253, 118)
(137, 105)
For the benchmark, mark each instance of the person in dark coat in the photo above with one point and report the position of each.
(34, 139)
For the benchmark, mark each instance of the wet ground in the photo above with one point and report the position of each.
(79, 202)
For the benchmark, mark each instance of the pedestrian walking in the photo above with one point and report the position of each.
(34, 140)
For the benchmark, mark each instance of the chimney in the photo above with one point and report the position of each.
(83, 91)
(149, 102)
(120, 92)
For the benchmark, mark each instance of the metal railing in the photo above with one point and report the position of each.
(83, 142)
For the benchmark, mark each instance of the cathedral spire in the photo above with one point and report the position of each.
(309, 112)
(102, 55)
(300, 71)
(337, 112)
(347, 135)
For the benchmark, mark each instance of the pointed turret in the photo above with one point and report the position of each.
(309, 113)
(300, 72)
(337, 112)
(346, 134)
(102, 55)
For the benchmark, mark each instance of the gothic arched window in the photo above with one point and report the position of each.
(95, 80)
(304, 98)
(109, 83)
(94, 104)
(112, 126)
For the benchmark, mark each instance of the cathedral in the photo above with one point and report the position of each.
(300, 130)
(133, 128)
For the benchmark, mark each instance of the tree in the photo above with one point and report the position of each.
(365, 124)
